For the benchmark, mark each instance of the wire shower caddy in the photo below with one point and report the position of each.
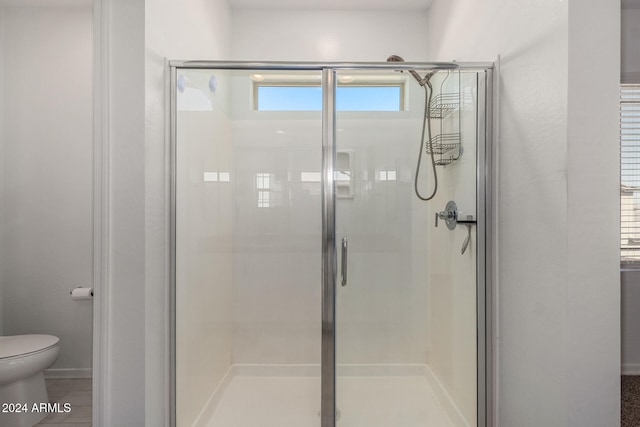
(445, 106)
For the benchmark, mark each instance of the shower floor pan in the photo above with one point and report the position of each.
(294, 401)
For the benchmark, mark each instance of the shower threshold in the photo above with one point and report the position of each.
(263, 400)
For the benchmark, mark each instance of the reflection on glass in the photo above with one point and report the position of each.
(263, 181)
(387, 175)
(217, 177)
(210, 176)
(310, 176)
(263, 184)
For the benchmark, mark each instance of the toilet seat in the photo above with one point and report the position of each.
(22, 345)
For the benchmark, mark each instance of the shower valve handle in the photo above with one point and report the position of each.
(343, 278)
(445, 215)
(449, 215)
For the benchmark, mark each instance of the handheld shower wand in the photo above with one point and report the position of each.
(426, 125)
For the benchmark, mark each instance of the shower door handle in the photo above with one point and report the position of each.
(343, 279)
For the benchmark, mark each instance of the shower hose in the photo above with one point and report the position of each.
(426, 126)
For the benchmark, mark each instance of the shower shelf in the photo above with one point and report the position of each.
(446, 103)
(443, 104)
(447, 147)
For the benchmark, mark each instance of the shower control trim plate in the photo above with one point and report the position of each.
(453, 217)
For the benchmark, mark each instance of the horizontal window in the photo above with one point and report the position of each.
(289, 98)
(368, 98)
(307, 96)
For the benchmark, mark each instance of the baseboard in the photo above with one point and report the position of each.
(68, 373)
(631, 369)
(445, 399)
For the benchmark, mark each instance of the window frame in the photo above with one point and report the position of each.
(629, 261)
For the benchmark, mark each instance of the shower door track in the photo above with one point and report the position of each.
(319, 66)
(329, 259)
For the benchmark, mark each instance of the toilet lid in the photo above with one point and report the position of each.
(17, 345)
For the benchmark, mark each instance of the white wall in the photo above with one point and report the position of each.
(194, 29)
(46, 207)
(593, 171)
(323, 35)
(125, 355)
(557, 280)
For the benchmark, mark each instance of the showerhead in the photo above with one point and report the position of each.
(395, 58)
(421, 81)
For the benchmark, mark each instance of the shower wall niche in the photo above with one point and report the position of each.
(248, 249)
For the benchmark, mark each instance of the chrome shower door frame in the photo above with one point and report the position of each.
(485, 251)
(329, 258)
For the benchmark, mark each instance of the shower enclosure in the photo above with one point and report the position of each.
(311, 286)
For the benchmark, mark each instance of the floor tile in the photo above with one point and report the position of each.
(79, 414)
(76, 392)
(55, 418)
(76, 398)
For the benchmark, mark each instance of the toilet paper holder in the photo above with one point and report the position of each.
(81, 293)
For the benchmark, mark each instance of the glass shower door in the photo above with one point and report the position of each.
(247, 232)
(406, 344)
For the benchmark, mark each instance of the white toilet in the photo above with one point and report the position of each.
(23, 358)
